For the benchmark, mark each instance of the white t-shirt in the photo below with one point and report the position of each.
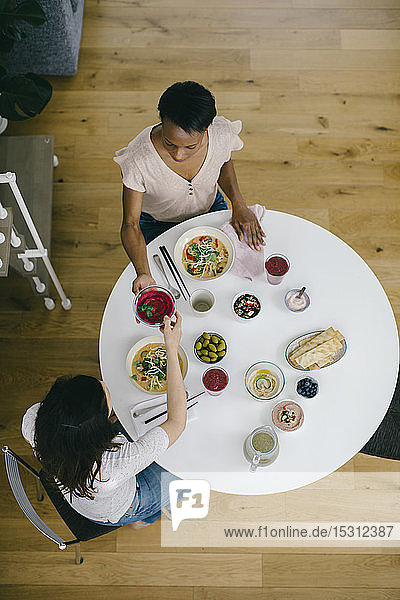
(115, 493)
(168, 196)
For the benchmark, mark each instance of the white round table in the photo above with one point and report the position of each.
(354, 393)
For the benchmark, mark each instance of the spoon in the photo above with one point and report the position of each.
(176, 293)
(301, 292)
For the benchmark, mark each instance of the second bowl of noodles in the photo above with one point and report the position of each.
(146, 364)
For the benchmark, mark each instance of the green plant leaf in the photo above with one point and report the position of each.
(14, 32)
(31, 12)
(23, 96)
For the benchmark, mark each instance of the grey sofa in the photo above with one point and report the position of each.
(52, 49)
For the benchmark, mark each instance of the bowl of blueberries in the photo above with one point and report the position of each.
(307, 387)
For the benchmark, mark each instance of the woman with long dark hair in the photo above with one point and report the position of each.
(171, 172)
(103, 476)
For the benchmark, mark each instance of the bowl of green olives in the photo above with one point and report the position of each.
(210, 347)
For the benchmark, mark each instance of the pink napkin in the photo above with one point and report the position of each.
(248, 263)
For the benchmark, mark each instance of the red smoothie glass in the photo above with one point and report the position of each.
(276, 266)
(215, 380)
(151, 305)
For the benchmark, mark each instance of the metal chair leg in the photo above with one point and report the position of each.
(39, 490)
(166, 513)
(78, 555)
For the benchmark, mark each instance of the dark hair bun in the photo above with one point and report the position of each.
(189, 105)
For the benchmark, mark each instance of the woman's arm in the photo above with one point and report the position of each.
(242, 217)
(132, 238)
(176, 395)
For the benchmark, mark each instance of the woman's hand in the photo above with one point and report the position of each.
(243, 219)
(172, 332)
(141, 282)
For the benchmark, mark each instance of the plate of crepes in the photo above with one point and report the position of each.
(204, 253)
(316, 350)
(146, 364)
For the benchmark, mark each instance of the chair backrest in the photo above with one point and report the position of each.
(12, 461)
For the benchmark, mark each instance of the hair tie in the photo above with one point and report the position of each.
(71, 426)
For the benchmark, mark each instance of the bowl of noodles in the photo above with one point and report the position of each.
(146, 364)
(204, 253)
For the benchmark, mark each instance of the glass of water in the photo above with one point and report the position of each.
(202, 302)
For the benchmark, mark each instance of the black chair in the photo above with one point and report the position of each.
(385, 442)
(82, 528)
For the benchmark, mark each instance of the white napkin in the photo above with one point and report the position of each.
(248, 263)
(153, 406)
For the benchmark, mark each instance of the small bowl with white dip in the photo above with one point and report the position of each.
(296, 302)
(264, 380)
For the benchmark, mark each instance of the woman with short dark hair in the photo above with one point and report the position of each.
(171, 172)
(102, 475)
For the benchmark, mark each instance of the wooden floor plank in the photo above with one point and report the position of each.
(379, 39)
(98, 591)
(137, 78)
(327, 4)
(315, 571)
(349, 173)
(282, 593)
(351, 82)
(229, 4)
(78, 122)
(190, 4)
(377, 505)
(365, 149)
(349, 222)
(212, 37)
(343, 104)
(18, 534)
(324, 60)
(122, 58)
(78, 326)
(256, 18)
(144, 569)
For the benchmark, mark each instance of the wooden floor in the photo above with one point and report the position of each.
(317, 86)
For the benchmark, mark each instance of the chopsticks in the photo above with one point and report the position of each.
(147, 408)
(165, 411)
(174, 272)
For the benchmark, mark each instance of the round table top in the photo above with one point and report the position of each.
(354, 394)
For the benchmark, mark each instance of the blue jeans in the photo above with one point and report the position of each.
(152, 494)
(151, 228)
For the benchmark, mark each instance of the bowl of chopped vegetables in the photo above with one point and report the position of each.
(146, 364)
(246, 306)
(204, 253)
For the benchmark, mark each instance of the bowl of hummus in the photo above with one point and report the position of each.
(264, 380)
(287, 415)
